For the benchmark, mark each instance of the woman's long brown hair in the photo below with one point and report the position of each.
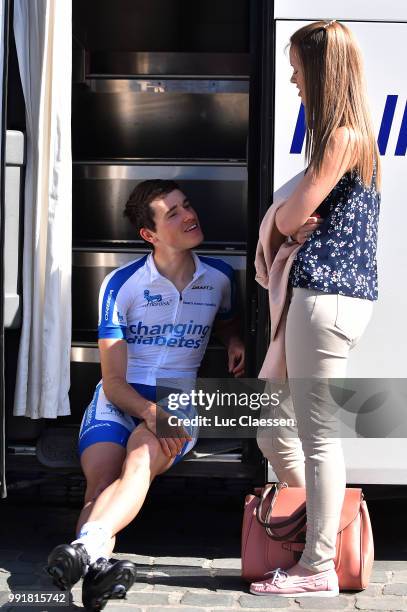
(335, 94)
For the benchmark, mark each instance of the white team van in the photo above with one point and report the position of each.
(198, 92)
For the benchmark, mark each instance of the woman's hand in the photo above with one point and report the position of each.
(311, 224)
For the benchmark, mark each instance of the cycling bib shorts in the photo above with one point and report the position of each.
(104, 422)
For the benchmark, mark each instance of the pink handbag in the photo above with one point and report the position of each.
(273, 535)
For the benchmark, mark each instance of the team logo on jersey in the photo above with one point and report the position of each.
(112, 410)
(108, 302)
(154, 300)
(203, 287)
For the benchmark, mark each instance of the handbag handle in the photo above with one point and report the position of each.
(299, 517)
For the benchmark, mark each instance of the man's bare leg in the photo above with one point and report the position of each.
(120, 503)
(113, 509)
(101, 464)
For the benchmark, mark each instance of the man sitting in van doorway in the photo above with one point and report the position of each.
(155, 318)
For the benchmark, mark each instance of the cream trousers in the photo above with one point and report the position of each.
(321, 330)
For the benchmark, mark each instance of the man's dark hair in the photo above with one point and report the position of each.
(138, 209)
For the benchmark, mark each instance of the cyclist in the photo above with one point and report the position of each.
(155, 319)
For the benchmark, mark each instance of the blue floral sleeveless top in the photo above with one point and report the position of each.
(340, 256)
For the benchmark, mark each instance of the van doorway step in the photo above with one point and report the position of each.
(57, 447)
(223, 449)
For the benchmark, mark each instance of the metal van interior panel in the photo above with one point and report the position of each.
(201, 26)
(100, 192)
(153, 118)
(90, 268)
(138, 63)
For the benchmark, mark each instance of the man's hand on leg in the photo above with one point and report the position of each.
(172, 438)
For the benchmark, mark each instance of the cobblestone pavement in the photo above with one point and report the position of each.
(188, 557)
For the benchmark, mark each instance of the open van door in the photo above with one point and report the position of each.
(4, 12)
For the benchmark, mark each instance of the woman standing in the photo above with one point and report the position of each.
(333, 213)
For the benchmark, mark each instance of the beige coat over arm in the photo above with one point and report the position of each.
(274, 258)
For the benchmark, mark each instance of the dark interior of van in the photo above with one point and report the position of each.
(160, 89)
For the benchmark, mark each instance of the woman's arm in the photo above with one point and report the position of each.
(312, 190)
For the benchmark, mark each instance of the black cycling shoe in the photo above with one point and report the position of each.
(105, 580)
(67, 564)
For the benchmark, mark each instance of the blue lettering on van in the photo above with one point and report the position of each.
(387, 120)
(299, 132)
(401, 146)
(384, 131)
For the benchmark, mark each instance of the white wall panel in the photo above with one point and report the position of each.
(393, 10)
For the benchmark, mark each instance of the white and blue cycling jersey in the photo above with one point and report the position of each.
(166, 331)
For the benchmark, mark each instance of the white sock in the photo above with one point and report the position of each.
(95, 537)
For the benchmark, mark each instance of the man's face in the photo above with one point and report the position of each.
(176, 223)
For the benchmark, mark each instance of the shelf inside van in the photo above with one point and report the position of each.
(101, 190)
(160, 118)
(193, 65)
